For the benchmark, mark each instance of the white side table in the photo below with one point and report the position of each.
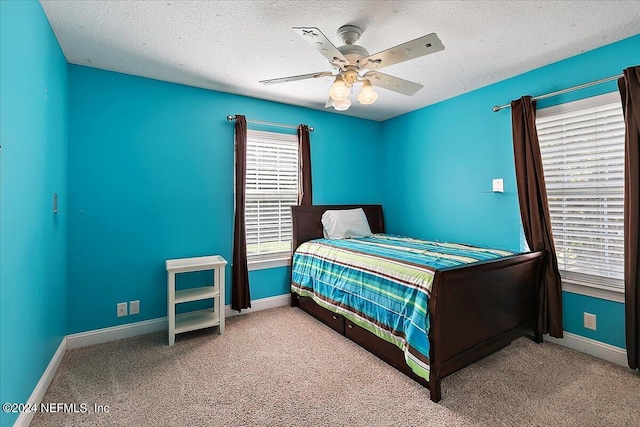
(201, 318)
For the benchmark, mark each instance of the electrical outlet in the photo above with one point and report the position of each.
(122, 309)
(498, 185)
(134, 307)
(590, 321)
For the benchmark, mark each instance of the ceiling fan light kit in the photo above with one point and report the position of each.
(351, 63)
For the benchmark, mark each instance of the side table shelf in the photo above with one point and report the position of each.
(201, 318)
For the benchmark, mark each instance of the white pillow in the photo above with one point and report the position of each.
(343, 224)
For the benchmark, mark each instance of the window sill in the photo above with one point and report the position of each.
(263, 264)
(591, 291)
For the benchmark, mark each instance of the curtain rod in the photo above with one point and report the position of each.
(231, 118)
(560, 92)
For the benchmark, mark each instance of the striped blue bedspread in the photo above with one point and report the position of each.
(382, 284)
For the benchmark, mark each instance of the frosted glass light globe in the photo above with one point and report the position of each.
(341, 105)
(367, 95)
(339, 90)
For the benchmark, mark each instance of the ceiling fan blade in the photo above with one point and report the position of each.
(294, 78)
(315, 38)
(403, 52)
(395, 84)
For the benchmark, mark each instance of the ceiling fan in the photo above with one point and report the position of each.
(353, 64)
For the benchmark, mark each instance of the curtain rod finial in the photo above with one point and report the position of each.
(496, 109)
(230, 118)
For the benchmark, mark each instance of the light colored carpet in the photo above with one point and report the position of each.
(281, 367)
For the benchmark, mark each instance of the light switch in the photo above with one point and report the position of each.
(498, 185)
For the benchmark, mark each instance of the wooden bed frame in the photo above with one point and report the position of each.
(474, 310)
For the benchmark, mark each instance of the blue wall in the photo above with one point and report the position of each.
(440, 161)
(151, 178)
(33, 165)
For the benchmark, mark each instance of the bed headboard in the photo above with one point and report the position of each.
(307, 220)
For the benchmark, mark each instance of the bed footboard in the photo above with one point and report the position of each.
(476, 310)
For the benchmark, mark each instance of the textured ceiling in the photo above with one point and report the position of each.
(231, 45)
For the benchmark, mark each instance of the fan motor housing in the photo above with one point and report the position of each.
(353, 53)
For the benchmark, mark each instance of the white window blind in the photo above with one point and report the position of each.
(582, 147)
(272, 187)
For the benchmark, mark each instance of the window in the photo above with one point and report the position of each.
(582, 147)
(272, 187)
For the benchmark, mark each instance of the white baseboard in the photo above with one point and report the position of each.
(99, 336)
(261, 304)
(594, 348)
(24, 419)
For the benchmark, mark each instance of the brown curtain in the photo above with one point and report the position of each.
(629, 86)
(240, 297)
(534, 210)
(304, 162)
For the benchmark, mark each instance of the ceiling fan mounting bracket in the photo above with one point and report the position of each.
(349, 34)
